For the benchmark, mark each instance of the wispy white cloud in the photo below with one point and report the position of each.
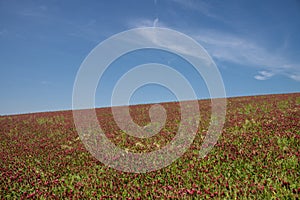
(141, 23)
(245, 52)
(239, 48)
(171, 42)
(228, 47)
(155, 22)
(295, 77)
(200, 6)
(263, 75)
(235, 49)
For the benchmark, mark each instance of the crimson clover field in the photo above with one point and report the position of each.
(256, 157)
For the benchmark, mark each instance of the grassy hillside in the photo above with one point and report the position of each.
(257, 155)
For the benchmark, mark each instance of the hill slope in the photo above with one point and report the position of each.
(257, 156)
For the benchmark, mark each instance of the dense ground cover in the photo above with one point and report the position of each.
(257, 156)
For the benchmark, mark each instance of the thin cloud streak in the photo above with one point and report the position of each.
(263, 75)
(230, 48)
(226, 47)
(142, 23)
(155, 22)
(199, 6)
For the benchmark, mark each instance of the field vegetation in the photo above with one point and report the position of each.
(256, 157)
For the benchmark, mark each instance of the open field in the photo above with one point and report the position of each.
(257, 155)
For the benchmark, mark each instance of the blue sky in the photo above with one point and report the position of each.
(255, 45)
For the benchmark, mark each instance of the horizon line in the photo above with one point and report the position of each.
(147, 103)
